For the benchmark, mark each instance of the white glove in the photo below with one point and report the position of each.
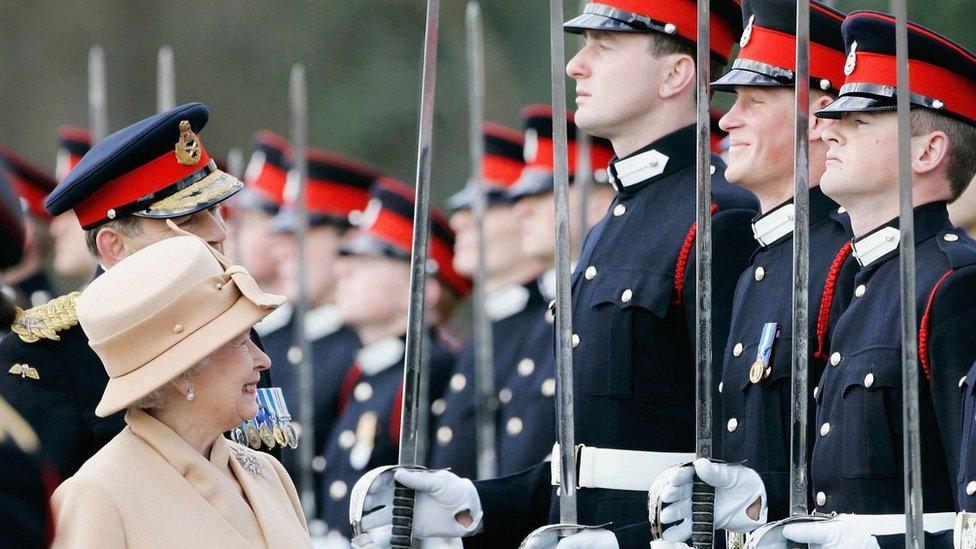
(661, 544)
(736, 489)
(841, 532)
(590, 539)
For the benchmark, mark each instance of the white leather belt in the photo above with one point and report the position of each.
(618, 469)
(882, 525)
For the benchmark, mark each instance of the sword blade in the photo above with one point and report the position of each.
(702, 494)
(165, 80)
(97, 108)
(486, 403)
(298, 103)
(914, 533)
(801, 263)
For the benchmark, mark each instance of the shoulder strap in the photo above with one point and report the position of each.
(45, 321)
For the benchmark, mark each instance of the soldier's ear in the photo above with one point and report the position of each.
(818, 125)
(112, 246)
(679, 75)
(930, 151)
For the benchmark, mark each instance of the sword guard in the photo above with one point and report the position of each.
(771, 534)
(547, 537)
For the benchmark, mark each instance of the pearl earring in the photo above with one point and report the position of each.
(190, 395)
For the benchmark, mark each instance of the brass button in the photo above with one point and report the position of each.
(971, 488)
(821, 498)
(294, 354)
(619, 210)
(835, 358)
(824, 429)
(438, 406)
(458, 382)
(950, 237)
(869, 380)
(347, 439)
(178, 329)
(444, 435)
(760, 274)
(859, 291)
(548, 387)
(505, 395)
(362, 392)
(590, 272)
(737, 350)
(525, 367)
(337, 490)
(318, 464)
(670, 28)
(721, 385)
(576, 340)
(514, 426)
(732, 425)
(627, 295)
(110, 213)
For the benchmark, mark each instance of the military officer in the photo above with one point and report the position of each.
(527, 410)
(71, 261)
(130, 190)
(755, 388)
(634, 286)
(338, 190)
(372, 297)
(29, 278)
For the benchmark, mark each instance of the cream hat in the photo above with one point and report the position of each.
(162, 310)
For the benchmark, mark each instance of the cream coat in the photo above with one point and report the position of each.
(148, 488)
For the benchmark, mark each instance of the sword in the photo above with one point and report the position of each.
(914, 532)
(487, 402)
(703, 494)
(165, 80)
(403, 497)
(298, 103)
(801, 266)
(97, 113)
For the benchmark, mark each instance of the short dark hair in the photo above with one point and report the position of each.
(961, 166)
(128, 225)
(662, 44)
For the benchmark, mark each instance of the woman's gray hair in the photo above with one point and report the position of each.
(160, 397)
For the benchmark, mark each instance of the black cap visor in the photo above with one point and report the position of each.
(286, 221)
(856, 103)
(532, 182)
(464, 199)
(365, 245)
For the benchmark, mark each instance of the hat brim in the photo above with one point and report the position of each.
(366, 245)
(855, 103)
(464, 199)
(213, 189)
(286, 221)
(593, 21)
(125, 390)
(532, 182)
(741, 77)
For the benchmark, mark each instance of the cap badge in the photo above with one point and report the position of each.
(747, 33)
(531, 149)
(851, 60)
(188, 149)
(369, 216)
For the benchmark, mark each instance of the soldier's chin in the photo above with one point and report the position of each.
(589, 121)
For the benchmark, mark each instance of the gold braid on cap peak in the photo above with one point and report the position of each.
(45, 321)
(200, 192)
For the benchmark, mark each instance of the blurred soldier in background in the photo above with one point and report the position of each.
(73, 264)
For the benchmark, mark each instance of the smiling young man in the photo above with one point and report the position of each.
(634, 287)
(754, 416)
(124, 192)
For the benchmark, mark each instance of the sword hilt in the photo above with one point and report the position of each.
(702, 514)
(403, 501)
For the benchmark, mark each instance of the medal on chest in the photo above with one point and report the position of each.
(761, 369)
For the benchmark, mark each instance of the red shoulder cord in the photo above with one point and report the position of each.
(923, 331)
(682, 265)
(830, 287)
(348, 386)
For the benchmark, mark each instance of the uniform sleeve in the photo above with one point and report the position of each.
(85, 517)
(938, 540)
(289, 487)
(513, 507)
(951, 352)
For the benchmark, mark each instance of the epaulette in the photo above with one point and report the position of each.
(958, 248)
(14, 426)
(45, 321)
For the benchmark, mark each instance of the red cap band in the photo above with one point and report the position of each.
(779, 50)
(683, 14)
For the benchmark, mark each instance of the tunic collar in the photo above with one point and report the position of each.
(381, 355)
(882, 242)
(778, 223)
(278, 319)
(662, 157)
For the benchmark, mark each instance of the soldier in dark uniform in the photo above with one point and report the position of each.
(125, 193)
(754, 413)
(29, 278)
(372, 297)
(337, 191)
(634, 286)
(73, 264)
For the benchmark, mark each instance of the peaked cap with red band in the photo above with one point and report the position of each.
(677, 18)
(386, 229)
(501, 167)
(73, 143)
(156, 168)
(266, 173)
(337, 192)
(30, 182)
(11, 226)
(767, 54)
(536, 177)
(942, 74)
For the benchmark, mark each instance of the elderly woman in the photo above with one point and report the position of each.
(171, 324)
